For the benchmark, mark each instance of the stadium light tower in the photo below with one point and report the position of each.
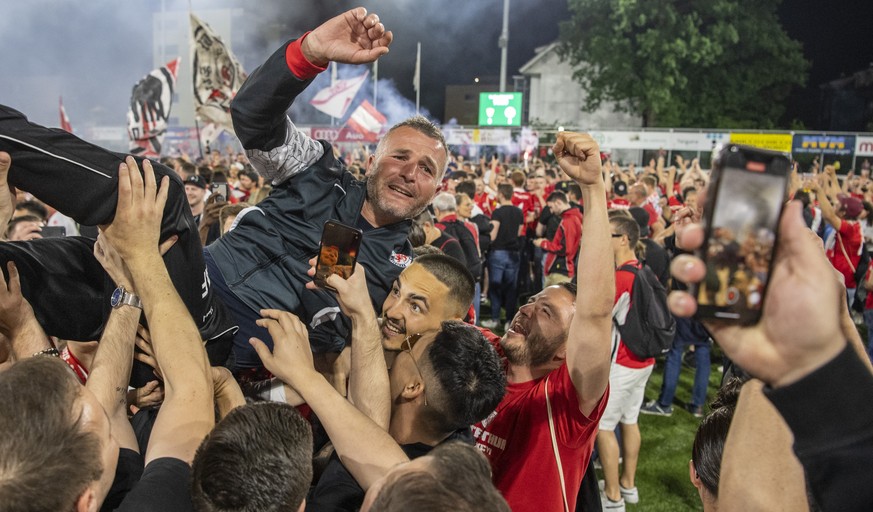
(502, 42)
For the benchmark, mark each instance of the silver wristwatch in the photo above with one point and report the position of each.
(121, 297)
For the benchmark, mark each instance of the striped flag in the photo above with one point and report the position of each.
(367, 121)
(150, 104)
(65, 121)
(216, 73)
(336, 99)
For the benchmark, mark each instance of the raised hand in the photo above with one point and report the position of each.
(579, 157)
(291, 359)
(135, 230)
(352, 293)
(353, 37)
(799, 329)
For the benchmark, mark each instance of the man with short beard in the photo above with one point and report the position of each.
(262, 262)
(557, 353)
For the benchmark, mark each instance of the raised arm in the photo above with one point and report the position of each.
(110, 372)
(186, 415)
(17, 321)
(365, 448)
(369, 388)
(588, 345)
(273, 144)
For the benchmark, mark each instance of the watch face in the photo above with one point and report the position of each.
(117, 295)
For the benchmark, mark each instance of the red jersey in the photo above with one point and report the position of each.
(624, 283)
(486, 203)
(850, 235)
(526, 201)
(517, 441)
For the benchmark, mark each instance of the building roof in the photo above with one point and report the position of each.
(540, 54)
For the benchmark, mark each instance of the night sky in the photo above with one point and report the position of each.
(93, 52)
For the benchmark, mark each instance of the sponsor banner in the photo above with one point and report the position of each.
(334, 134)
(838, 145)
(863, 146)
(681, 141)
(609, 140)
(772, 141)
(477, 137)
(496, 137)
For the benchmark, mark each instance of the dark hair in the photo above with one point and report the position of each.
(505, 191)
(416, 236)
(688, 190)
(575, 189)
(15, 221)
(570, 287)
(459, 175)
(469, 377)
(426, 250)
(869, 207)
(557, 196)
(206, 172)
(708, 447)
(41, 438)
(455, 275)
(458, 479)
(466, 187)
(258, 458)
(627, 226)
(35, 208)
(188, 168)
(250, 173)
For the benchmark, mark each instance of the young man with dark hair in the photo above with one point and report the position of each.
(376, 460)
(562, 250)
(627, 381)
(262, 453)
(507, 231)
(557, 352)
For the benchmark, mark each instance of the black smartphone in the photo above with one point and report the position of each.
(741, 219)
(338, 252)
(53, 231)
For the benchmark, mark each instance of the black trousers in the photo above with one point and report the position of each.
(67, 287)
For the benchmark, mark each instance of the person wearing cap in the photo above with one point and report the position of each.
(195, 191)
(843, 246)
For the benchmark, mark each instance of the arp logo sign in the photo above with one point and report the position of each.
(864, 146)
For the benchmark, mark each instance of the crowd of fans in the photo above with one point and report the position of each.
(167, 348)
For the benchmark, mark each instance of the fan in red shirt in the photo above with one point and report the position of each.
(557, 352)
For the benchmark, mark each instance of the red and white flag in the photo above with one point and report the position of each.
(217, 74)
(65, 121)
(336, 99)
(150, 103)
(367, 121)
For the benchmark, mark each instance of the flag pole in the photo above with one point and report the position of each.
(417, 80)
(332, 82)
(375, 81)
(197, 127)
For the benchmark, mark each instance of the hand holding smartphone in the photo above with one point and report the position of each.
(745, 199)
(337, 253)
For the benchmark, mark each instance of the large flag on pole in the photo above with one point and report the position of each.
(150, 103)
(367, 121)
(65, 121)
(335, 100)
(216, 73)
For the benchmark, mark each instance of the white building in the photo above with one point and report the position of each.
(556, 99)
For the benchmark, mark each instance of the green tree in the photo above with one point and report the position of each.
(694, 63)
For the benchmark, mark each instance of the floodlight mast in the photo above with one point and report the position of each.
(502, 42)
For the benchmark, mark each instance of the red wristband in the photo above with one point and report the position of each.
(298, 64)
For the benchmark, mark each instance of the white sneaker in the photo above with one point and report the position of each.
(489, 324)
(631, 495)
(612, 506)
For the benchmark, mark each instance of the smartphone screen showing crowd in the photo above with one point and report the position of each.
(747, 191)
(338, 251)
